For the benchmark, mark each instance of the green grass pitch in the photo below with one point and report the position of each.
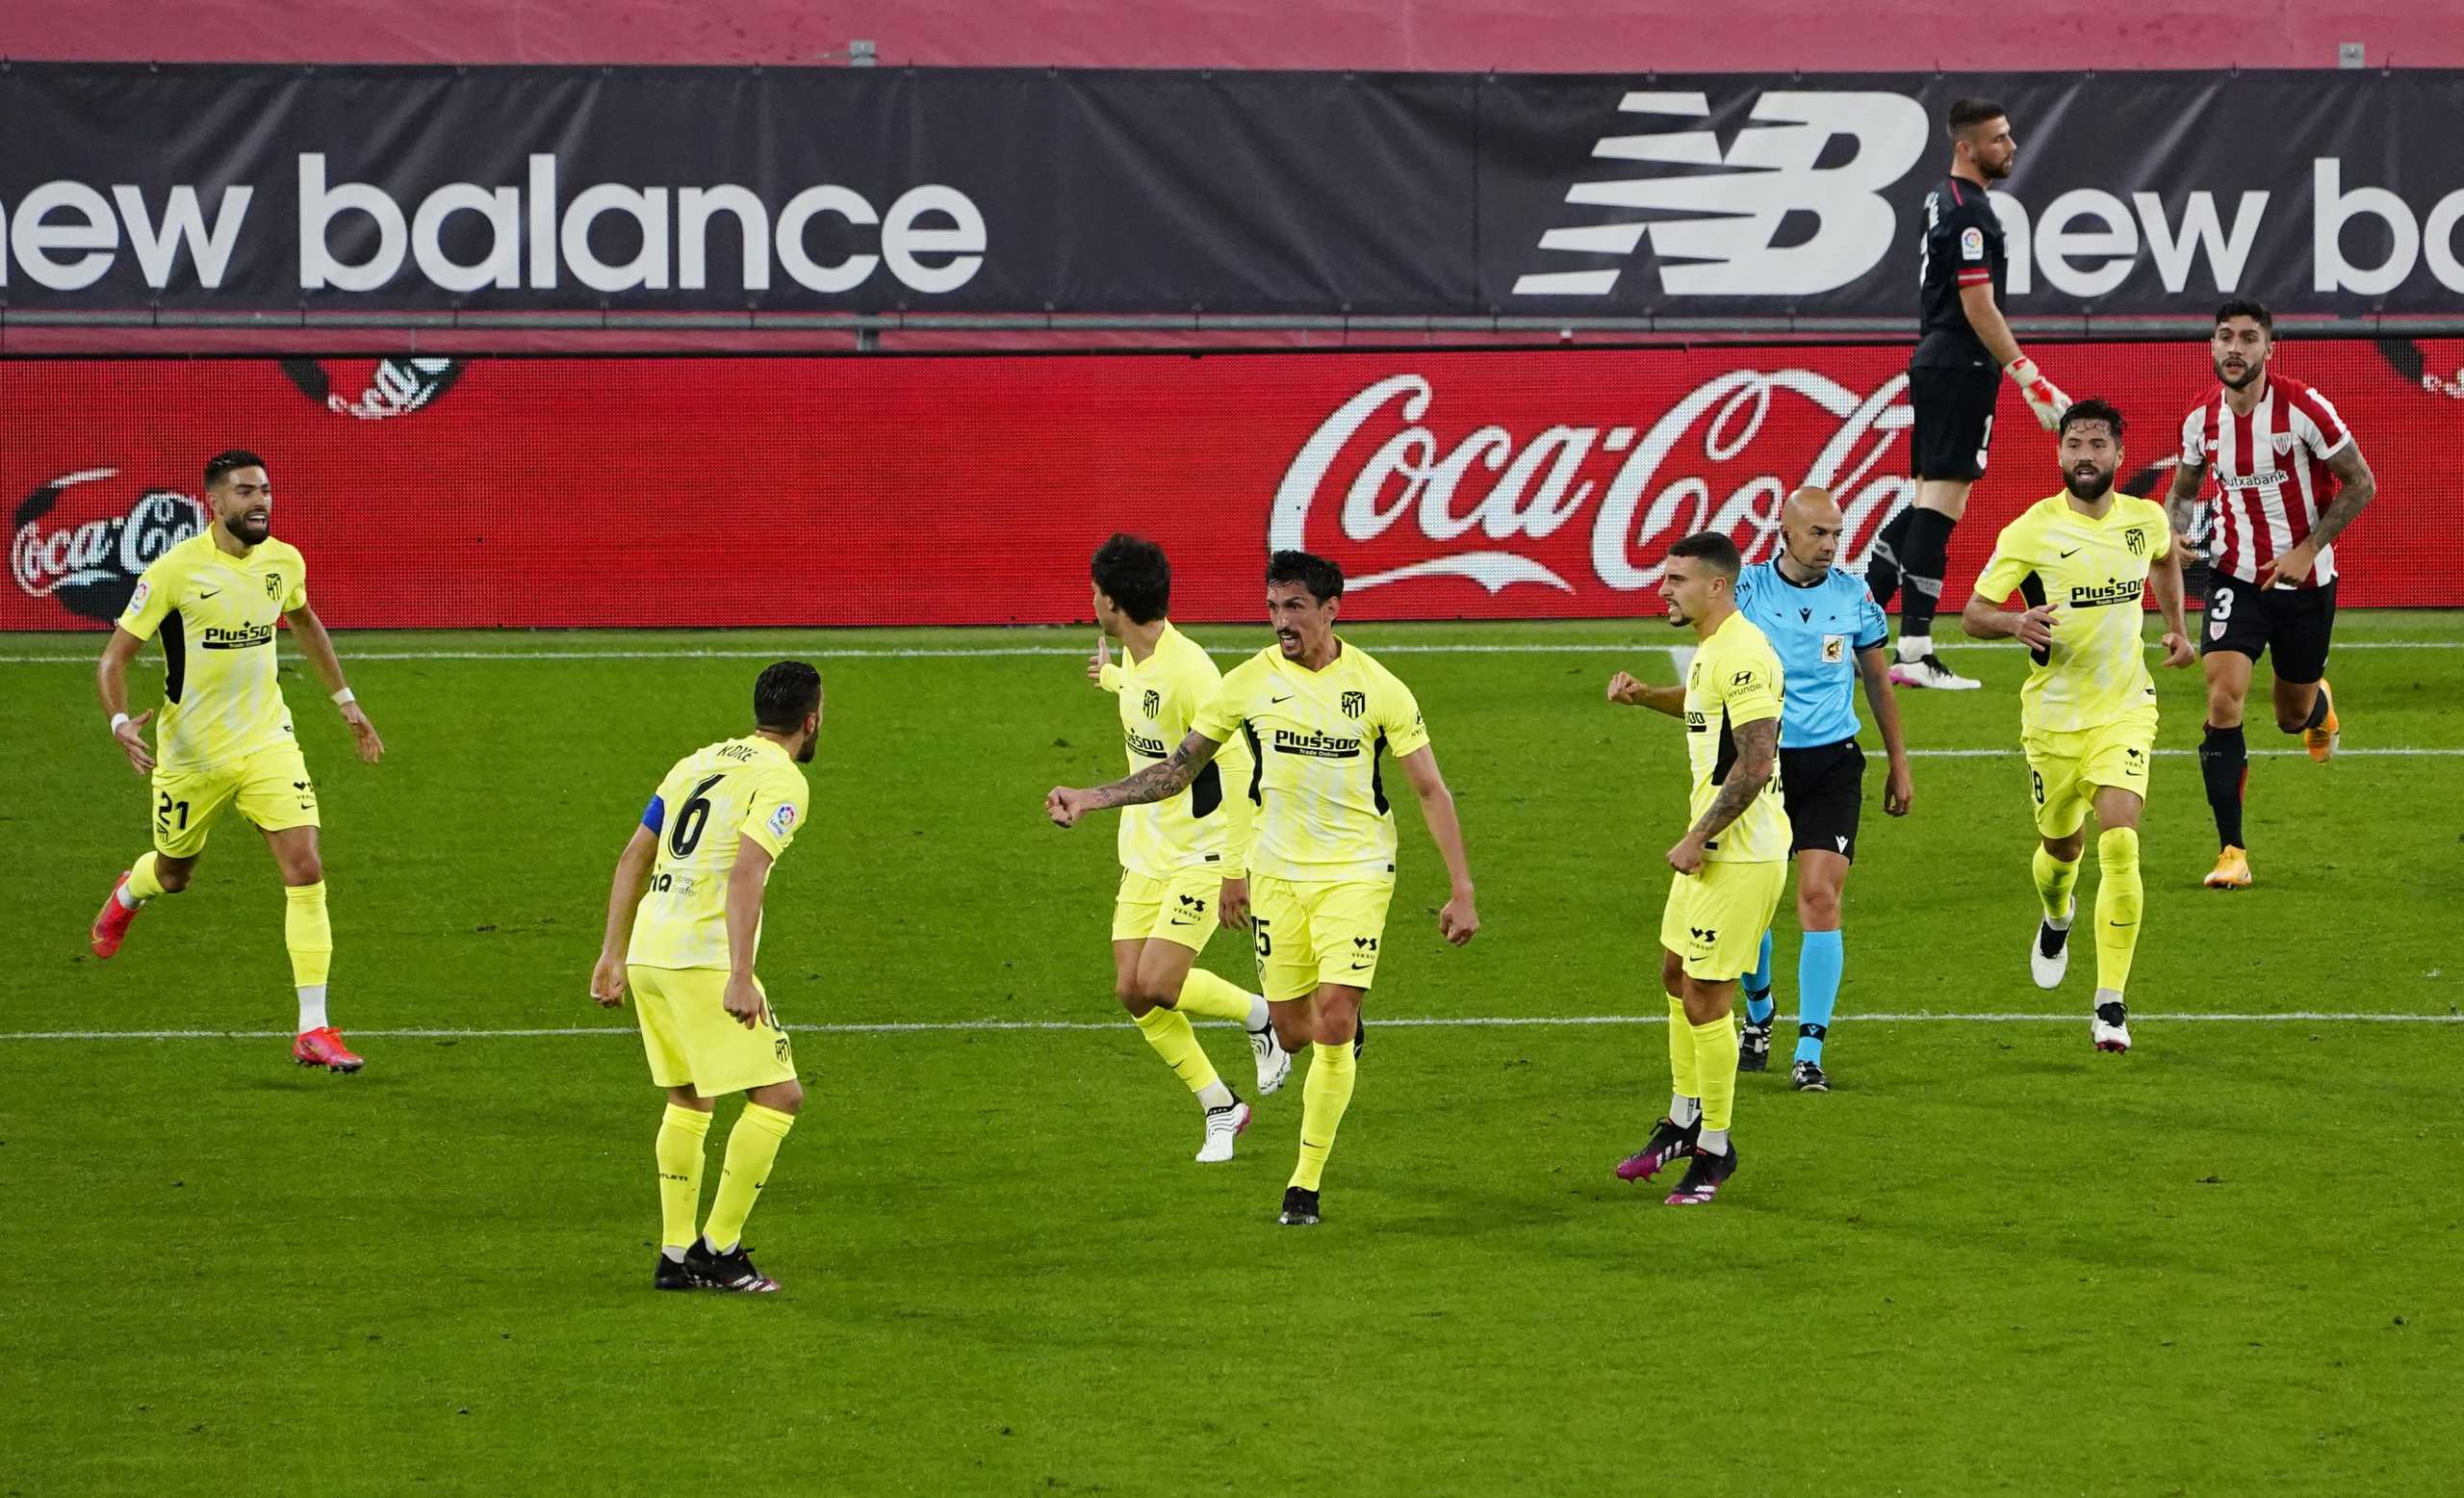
(1991, 1262)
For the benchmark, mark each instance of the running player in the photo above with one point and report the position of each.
(683, 927)
(1317, 715)
(1829, 636)
(1962, 340)
(2289, 479)
(1177, 855)
(1730, 865)
(225, 737)
(2082, 560)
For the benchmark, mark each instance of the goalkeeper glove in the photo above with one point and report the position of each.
(2043, 395)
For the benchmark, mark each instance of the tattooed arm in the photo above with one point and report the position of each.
(2181, 501)
(1160, 781)
(1757, 747)
(2359, 487)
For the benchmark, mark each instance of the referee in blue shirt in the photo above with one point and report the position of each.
(1828, 635)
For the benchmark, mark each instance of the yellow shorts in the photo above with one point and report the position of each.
(1309, 934)
(2064, 770)
(1180, 908)
(270, 787)
(1715, 919)
(692, 1041)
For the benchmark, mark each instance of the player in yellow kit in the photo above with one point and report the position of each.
(1317, 715)
(1184, 857)
(684, 926)
(1731, 865)
(2082, 559)
(224, 739)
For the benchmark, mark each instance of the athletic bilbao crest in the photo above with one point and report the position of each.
(85, 537)
(372, 390)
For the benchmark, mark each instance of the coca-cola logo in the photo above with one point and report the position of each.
(372, 390)
(91, 565)
(1378, 490)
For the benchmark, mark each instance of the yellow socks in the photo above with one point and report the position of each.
(1715, 1069)
(753, 1144)
(310, 939)
(2120, 898)
(307, 933)
(1685, 1082)
(681, 1135)
(143, 886)
(1323, 1097)
(1169, 1031)
(2055, 880)
(1214, 998)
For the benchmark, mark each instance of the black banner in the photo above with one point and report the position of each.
(1717, 197)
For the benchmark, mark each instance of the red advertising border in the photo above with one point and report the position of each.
(447, 493)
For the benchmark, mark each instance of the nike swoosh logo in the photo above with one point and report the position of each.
(1361, 967)
(1278, 701)
(215, 592)
(1178, 921)
(2073, 552)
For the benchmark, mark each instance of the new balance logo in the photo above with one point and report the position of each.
(1726, 243)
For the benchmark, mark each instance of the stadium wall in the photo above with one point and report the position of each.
(970, 490)
(1473, 36)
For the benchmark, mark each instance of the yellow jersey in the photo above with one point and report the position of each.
(1315, 739)
(747, 787)
(215, 615)
(1202, 827)
(2095, 570)
(1735, 679)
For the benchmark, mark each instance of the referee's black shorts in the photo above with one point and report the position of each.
(1823, 788)
(1954, 411)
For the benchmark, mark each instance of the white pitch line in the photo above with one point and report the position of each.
(2255, 753)
(1493, 1021)
(1069, 652)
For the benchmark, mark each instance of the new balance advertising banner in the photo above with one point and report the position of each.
(589, 190)
(646, 491)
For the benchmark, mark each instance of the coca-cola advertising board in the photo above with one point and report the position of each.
(438, 493)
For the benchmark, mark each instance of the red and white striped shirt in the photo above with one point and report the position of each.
(2272, 474)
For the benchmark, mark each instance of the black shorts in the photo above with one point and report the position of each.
(2248, 619)
(1823, 788)
(1954, 409)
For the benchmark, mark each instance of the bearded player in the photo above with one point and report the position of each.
(224, 741)
(2289, 479)
(2082, 559)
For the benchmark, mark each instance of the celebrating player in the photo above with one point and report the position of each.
(225, 737)
(1952, 384)
(684, 926)
(1730, 865)
(1828, 635)
(2082, 559)
(2289, 479)
(1318, 715)
(1177, 855)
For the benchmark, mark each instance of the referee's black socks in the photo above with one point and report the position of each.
(2224, 764)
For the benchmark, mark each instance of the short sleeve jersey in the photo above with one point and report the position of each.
(1962, 247)
(1202, 827)
(1317, 741)
(1816, 629)
(2094, 570)
(215, 614)
(1735, 679)
(739, 787)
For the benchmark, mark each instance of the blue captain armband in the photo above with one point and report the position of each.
(654, 815)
